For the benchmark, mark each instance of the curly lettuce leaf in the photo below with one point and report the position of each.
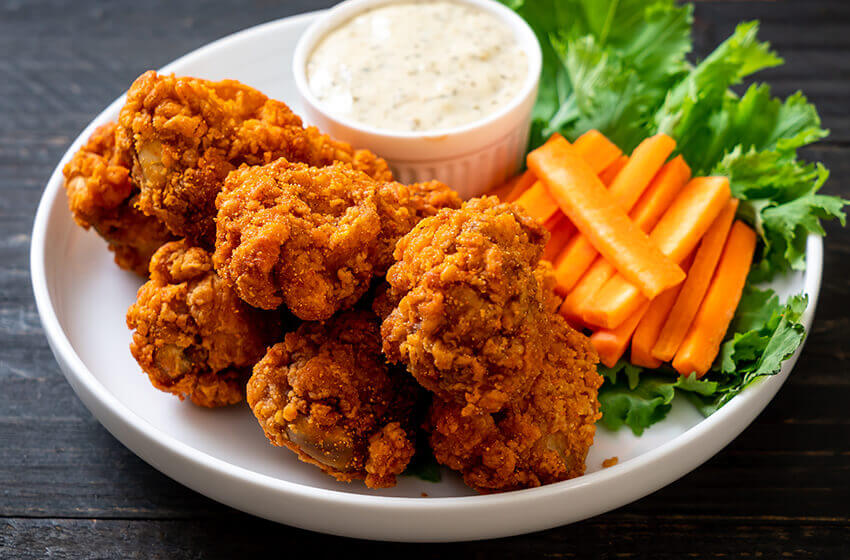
(779, 198)
(639, 398)
(764, 333)
(620, 66)
(696, 111)
(606, 63)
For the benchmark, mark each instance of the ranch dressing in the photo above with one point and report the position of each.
(415, 66)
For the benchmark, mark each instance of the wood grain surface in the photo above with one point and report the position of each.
(69, 490)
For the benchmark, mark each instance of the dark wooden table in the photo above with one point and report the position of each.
(69, 490)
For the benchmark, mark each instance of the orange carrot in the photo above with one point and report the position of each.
(597, 215)
(676, 235)
(574, 261)
(700, 346)
(693, 289)
(655, 201)
(610, 172)
(595, 277)
(561, 229)
(627, 187)
(643, 164)
(597, 150)
(661, 193)
(537, 202)
(527, 179)
(611, 344)
(647, 330)
(573, 258)
(523, 183)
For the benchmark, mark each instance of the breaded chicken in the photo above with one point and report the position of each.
(540, 438)
(187, 134)
(313, 238)
(327, 394)
(102, 196)
(193, 336)
(469, 313)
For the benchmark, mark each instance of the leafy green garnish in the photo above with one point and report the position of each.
(607, 64)
(424, 466)
(766, 333)
(620, 66)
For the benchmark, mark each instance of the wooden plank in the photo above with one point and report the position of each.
(69, 490)
(617, 537)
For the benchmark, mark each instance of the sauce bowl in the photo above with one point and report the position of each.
(471, 158)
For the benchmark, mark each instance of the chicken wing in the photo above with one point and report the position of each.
(193, 336)
(541, 438)
(102, 196)
(187, 134)
(469, 314)
(310, 237)
(327, 394)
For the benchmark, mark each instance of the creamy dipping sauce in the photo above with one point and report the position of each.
(415, 66)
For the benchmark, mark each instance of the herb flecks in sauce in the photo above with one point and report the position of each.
(416, 66)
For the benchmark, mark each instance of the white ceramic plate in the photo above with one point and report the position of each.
(82, 297)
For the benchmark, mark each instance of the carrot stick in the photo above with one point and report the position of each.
(655, 201)
(574, 261)
(597, 151)
(597, 215)
(593, 279)
(572, 264)
(526, 180)
(561, 229)
(627, 187)
(522, 184)
(643, 164)
(611, 344)
(610, 172)
(537, 202)
(649, 327)
(696, 284)
(661, 193)
(700, 346)
(676, 235)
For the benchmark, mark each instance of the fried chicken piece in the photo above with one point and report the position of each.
(327, 394)
(101, 195)
(187, 134)
(468, 309)
(401, 207)
(541, 438)
(313, 238)
(193, 336)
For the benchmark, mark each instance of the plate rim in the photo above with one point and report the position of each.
(119, 419)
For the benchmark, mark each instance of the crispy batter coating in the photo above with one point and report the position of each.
(540, 438)
(327, 394)
(401, 207)
(313, 238)
(187, 134)
(467, 322)
(193, 336)
(101, 195)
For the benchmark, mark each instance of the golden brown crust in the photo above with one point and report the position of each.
(401, 207)
(193, 336)
(101, 195)
(326, 394)
(468, 309)
(540, 438)
(313, 238)
(187, 134)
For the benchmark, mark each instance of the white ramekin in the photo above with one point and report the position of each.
(470, 158)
